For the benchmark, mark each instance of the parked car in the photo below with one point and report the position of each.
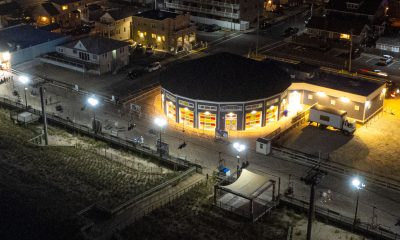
(385, 60)
(201, 27)
(149, 51)
(153, 66)
(264, 25)
(290, 31)
(135, 73)
(212, 28)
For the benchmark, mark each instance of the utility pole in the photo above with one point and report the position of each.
(46, 140)
(351, 50)
(313, 178)
(258, 26)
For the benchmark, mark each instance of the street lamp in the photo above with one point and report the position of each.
(160, 122)
(24, 80)
(358, 185)
(93, 102)
(239, 148)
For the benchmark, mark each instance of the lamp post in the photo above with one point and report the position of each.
(239, 148)
(160, 122)
(93, 102)
(358, 185)
(24, 80)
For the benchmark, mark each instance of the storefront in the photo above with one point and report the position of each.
(171, 110)
(271, 114)
(230, 122)
(186, 116)
(253, 119)
(207, 121)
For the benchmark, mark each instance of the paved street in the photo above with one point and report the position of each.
(205, 152)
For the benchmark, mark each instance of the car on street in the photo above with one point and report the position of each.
(212, 28)
(375, 73)
(133, 74)
(153, 67)
(149, 51)
(385, 60)
(290, 31)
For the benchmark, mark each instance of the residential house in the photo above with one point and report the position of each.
(348, 20)
(163, 30)
(9, 10)
(231, 14)
(92, 12)
(96, 55)
(115, 24)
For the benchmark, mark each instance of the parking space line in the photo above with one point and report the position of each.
(369, 59)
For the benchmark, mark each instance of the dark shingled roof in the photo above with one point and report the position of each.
(24, 36)
(9, 8)
(98, 45)
(50, 9)
(225, 77)
(345, 84)
(339, 23)
(157, 14)
(118, 14)
(368, 7)
(62, 2)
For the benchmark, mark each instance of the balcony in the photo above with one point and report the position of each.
(202, 10)
(216, 3)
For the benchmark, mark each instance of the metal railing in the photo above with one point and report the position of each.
(377, 232)
(202, 10)
(336, 167)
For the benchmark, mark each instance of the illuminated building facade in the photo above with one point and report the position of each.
(225, 91)
(163, 30)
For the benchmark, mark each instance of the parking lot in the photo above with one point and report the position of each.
(373, 60)
(373, 147)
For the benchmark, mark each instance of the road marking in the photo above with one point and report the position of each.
(369, 59)
(213, 45)
(271, 47)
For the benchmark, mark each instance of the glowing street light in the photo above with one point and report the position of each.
(160, 122)
(239, 148)
(24, 80)
(358, 185)
(93, 102)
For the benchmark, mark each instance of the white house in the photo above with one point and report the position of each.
(92, 54)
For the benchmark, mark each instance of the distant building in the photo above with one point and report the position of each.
(9, 10)
(25, 43)
(96, 55)
(231, 14)
(92, 12)
(347, 20)
(163, 30)
(115, 24)
(389, 45)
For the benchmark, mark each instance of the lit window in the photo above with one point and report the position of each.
(158, 39)
(64, 7)
(344, 36)
(356, 107)
(163, 38)
(43, 19)
(153, 35)
(310, 96)
(333, 102)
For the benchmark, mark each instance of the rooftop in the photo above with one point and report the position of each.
(342, 83)
(24, 36)
(368, 7)
(9, 8)
(98, 45)
(118, 14)
(157, 14)
(50, 9)
(339, 23)
(225, 77)
(62, 2)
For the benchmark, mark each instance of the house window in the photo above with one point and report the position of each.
(333, 102)
(153, 25)
(74, 51)
(84, 56)
(344, 36)
(356, 107)
(261, 146)
(94, 57)
(64, 7)
(310, 96)
(124, 29)
(153, 35)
